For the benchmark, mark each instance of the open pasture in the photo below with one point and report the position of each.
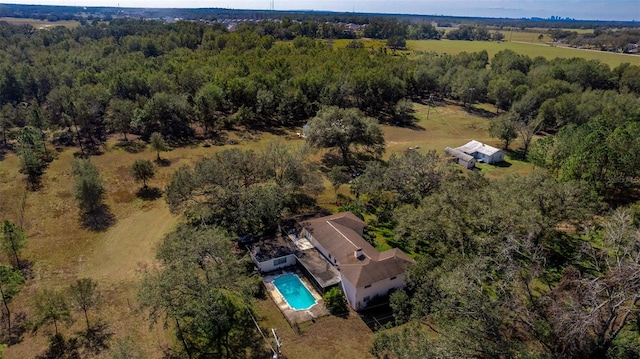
(40, 24)
(528, 35)
(530, 49)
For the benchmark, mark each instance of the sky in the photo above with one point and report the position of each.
(578, 9)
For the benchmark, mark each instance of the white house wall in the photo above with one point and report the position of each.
(268, 266)
(350, 292)
(356, 296)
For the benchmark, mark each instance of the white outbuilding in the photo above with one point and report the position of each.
(482, 152)
(463, 159)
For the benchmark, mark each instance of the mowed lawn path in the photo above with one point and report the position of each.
(130, 242)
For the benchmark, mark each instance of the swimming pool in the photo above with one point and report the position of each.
(294, 292)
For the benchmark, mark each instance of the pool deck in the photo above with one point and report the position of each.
(295, 316)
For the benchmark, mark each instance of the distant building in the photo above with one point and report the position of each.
(482, 152)
(463, 159)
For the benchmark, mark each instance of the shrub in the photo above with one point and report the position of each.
(335, 301)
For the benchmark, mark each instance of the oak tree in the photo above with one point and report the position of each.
(345, 129)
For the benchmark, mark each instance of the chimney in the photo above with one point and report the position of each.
(357, 253)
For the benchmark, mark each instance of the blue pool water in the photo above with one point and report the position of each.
(294, 292)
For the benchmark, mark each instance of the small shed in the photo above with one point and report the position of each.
(463, 159)
(482, 152)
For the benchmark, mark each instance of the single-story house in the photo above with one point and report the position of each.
(482, 152)
(463, 159)
(364, 272)
(272, 255)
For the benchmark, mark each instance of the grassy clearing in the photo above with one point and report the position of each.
(528, 35)
(438, 127)
(450, 126)
(40, 24)
(525, 43)
(61, 250)
(530, 49)
(328, 337)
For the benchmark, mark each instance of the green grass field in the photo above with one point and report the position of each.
(40, 24)
(523, 43)
(529, 49)
(527, 36)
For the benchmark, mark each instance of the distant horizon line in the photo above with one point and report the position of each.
(531, 18)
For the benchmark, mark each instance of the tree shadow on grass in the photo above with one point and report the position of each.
(357, 162)
(95, 339)
(517, 154)
(98, 220)
(502, 164)
(131, 146)
(149, 193)
(26, 267)
(475, 111)
(329, 160)
(60, 347)
(251, 340)
(412, 125)
(19, 326)
(4, 149)
(163, 162)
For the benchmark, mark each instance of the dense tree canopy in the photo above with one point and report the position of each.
(244, 191)
(345, 129)
(203, 291)
(498, 256)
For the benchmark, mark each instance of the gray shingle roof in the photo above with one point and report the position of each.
(340, 235)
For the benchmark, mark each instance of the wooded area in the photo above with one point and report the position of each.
(538, 266)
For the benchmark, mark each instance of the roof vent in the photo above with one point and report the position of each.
(358, 253)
